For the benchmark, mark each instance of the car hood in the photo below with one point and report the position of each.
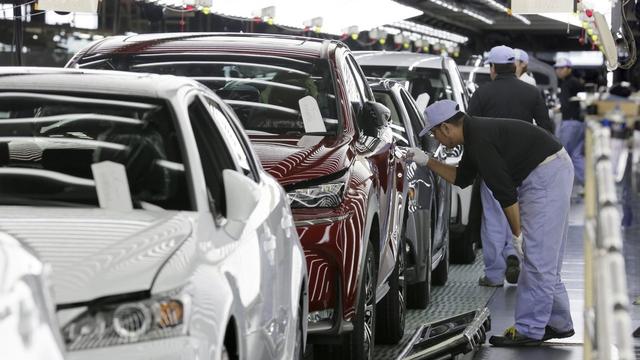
(295, 159)
(96, 253)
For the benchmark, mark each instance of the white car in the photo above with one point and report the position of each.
(166, 237)
(28, 326)
(437, 76)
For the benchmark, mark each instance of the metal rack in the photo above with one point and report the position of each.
(608, 333)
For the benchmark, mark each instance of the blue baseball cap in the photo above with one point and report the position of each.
(500, 55)
(439, 112)
(562, 62)
(521, 55)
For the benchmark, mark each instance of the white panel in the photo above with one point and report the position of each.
(541, 6)
(90, 6)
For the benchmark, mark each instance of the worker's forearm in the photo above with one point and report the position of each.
(513, 217)
(445, 171)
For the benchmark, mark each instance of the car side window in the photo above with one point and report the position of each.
(417, 122)
(351, 85)
(238, 148)
(214, 155)
(360, 78)
(458, 84)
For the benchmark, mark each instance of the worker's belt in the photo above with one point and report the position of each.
(553, 157)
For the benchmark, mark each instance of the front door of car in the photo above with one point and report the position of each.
(440, 187)
(254, 266)
(381, 152)
(276, 234)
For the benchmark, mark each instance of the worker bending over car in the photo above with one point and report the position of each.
(531, 176)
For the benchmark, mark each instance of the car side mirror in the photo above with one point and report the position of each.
(422, 102)
(374, 116)
(242, 196)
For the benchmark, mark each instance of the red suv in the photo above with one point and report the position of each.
(340, 167)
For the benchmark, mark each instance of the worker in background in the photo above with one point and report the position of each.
(522, 67)
(571, 132)
(530, 174)
(504, 97)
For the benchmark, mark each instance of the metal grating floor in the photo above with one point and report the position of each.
(463, 294)
(460, 294)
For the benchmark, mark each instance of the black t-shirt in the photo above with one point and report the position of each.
(504, 152)
(509, 97)
(569, 88)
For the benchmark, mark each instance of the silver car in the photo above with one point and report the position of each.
(166, 237)
(28, 326)
(437, 76)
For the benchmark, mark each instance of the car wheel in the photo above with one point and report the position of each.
(392, 308)
(358, 345)
(464, 240)
(419, 293)
(462, 245)
(440, 274)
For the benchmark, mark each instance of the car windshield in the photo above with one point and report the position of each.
(419, 80)
(264, 91)
(49, 144)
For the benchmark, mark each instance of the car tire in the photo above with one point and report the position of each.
(465, 240)
(355, 345)
(440, 274)
(462, 245)
(391, 310)
(419, 293)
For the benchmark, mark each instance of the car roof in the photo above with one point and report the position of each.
(469, 68)
(199, 43)
(402, 59)
(92, 81)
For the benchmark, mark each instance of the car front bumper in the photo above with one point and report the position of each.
(332, 256)
(182, 348)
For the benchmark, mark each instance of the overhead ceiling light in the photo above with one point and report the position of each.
(464, 11)
(429, 31)
(478, 16)
(522, 18)
(446, 5)
(290, 13)
(498, 6)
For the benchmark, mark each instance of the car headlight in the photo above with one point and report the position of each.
(320, 196)
(128, 322)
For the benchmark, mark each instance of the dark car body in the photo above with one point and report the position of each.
(426, 228)
(335, 238)
(438, 76)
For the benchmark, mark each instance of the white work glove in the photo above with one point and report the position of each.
(518, 243)
(418, 156)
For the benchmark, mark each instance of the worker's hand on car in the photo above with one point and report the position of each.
(417, 155)
(518, 243)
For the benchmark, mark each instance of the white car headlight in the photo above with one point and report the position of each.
(320, 196)
(128, 322)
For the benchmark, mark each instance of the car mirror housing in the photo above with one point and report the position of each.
(242, 196)
(373, 118)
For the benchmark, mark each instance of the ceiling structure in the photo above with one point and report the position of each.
(486, 23)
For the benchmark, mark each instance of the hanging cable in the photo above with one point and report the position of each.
(629, 39)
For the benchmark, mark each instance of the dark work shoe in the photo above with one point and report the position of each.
(513, 269)
(483, 281)
(551, 333)
(513, 338)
